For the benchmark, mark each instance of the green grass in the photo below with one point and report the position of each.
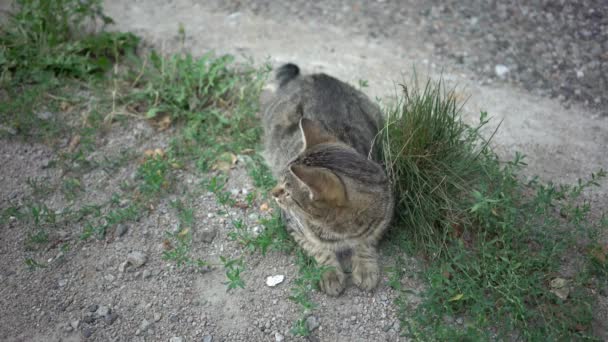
(493, 241)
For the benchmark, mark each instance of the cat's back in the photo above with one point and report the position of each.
(342, 110)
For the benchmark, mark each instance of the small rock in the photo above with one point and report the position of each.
(207, 338)
(388, 327)
(312, 323)
(560, 288)
(145, 324)
(88, 319)
(62, 282)
(275, 280)
(92, 307)
(137, 259)
(235, 192)
(146, 274)
(44, 115)
(176, 339)
(501, 70)
(87, 332)
(173, 318)
(121, 230)
(157, 316)
(207, 235)
(580, 74)
(278, 337)
(256, 230)
(460, 321)
(111, 318)
(75, 324)
(103, 311)
(110, 278)
(123, 267)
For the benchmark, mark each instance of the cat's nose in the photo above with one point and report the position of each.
(277, 191)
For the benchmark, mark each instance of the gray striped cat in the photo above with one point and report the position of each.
(335, 198)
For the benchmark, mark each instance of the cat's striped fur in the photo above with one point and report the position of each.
(335, 197)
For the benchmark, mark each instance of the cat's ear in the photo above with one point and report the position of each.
(324, 185)
(313, 134)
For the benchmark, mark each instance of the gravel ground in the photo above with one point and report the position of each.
(552, 48)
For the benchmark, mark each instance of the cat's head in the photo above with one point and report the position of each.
(332, 185)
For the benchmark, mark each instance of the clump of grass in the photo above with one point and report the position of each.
(496, 242)
(45, 39)
(433, 160)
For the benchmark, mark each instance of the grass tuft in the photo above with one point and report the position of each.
(432, 160)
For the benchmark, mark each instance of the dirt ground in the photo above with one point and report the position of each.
(68, 300)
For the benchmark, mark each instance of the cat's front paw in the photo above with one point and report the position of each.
(332, 282)
(366, 274)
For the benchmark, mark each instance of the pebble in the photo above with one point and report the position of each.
(157, 316)
(207, 235)
(176, 339)
(109, 277)
(103, 311)
(145, 324)
(146, 274)
(459, 320)
(92, 307)
(62, 282)
(278, 337)
(388, 327)
(88, 319)
(207, 338)
(312, 323)
(111, 318)
(121, 230)
(75, 324)
(137, 259)
(275, 280)
(501, 70)
(87, 332)
(44, 115)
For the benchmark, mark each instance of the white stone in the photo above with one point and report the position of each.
(275, 280)
(501, 70)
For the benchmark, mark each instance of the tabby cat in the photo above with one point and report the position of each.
(335, 198)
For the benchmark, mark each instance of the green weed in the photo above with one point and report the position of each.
(495, 241)
(180, 242)
(33, 264)
(309, 276)
(71, 188)
(233, 268)
(46, 39)
(155, 173)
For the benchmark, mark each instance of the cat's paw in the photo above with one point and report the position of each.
(332, 282)
(366, 274)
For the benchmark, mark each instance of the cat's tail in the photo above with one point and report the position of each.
(286, 73)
